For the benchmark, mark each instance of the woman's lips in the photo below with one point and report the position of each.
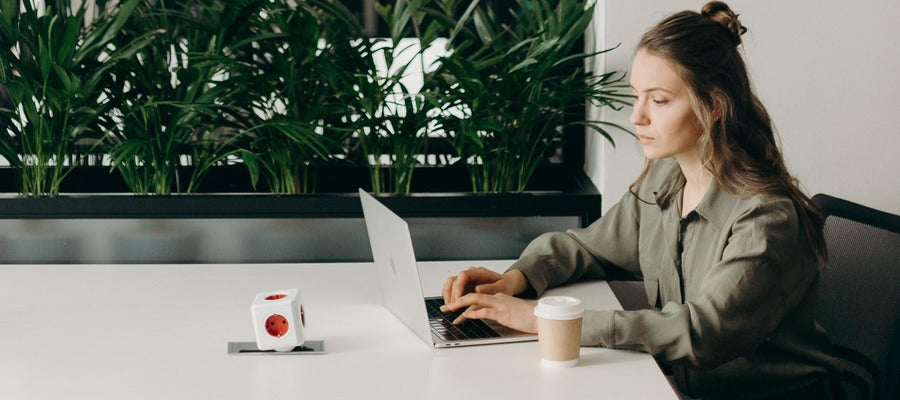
(645, 139)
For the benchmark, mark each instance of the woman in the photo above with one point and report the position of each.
(727, 245)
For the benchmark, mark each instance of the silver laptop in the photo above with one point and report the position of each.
(401, 289)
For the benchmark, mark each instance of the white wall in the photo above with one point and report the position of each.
(828, 72)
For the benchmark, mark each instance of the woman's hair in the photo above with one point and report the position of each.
(738, 144)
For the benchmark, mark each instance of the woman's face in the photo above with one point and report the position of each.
(663, 118)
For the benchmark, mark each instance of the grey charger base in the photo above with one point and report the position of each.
(250, 349)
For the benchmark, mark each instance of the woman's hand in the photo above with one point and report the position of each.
(482, 280)
(510, 311)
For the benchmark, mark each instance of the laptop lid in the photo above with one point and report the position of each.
(392, 251)
(398, 275)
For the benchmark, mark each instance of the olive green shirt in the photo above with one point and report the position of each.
(733, 284)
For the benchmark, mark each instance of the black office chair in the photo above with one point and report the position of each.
(859, 298)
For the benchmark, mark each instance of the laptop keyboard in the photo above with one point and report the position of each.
(442, 324)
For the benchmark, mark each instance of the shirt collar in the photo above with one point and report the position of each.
(715, 206)
(669, 186)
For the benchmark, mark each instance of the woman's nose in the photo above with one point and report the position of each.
(638, 116)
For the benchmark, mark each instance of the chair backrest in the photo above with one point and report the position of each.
(859, 298)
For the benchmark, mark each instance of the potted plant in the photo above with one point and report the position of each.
(519, 81)
(56, 69)
(167, 99)
(394, 123)
(287, 74)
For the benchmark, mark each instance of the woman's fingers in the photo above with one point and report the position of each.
(459, 285)
(490, 288)
(512, 282)
(466, 281)
(480, 306)
(446, 290)
(507, 310)
(455, 287)
(475, 312)
(471, 299)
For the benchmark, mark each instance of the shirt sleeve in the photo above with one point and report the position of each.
(606, 249)
(762, 275)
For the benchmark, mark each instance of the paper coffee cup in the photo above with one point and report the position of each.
(559, 330)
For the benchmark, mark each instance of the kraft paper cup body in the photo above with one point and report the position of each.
(559, 330)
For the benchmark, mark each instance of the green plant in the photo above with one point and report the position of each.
(56, 68)
(518, 81)
(169, 89)
(392, 129)
(394, 123)
(288, 74)
(168, 96)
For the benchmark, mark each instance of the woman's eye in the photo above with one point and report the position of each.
(660, 101)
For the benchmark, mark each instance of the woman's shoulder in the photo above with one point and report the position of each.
(766, 208)
(769, 201)
(724, 207)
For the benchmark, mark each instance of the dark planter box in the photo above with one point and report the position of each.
(446, 219)
(225, 193)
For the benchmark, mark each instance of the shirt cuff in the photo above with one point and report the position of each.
(531, 266)
(598, 328)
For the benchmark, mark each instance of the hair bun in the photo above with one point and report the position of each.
(720, 12)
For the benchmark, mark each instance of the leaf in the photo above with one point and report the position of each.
(598, 126)
(65, 48)
(399, 19)
(463, 19)
(9, 9)
(523, 64)
(573, 57)
(339, 15)
(432, 32)
(519, 46)
(126, 8)
(64, 78)
(487, 63)
(44, 60)
(543, 47)
(441, 23)
(482, 27)
(251, 161)
(383, 10)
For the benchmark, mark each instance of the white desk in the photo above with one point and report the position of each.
(161, 332)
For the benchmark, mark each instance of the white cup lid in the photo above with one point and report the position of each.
(559, 307)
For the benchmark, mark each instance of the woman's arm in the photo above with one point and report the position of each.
(606, 249)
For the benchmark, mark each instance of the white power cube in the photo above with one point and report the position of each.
(278, 320)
